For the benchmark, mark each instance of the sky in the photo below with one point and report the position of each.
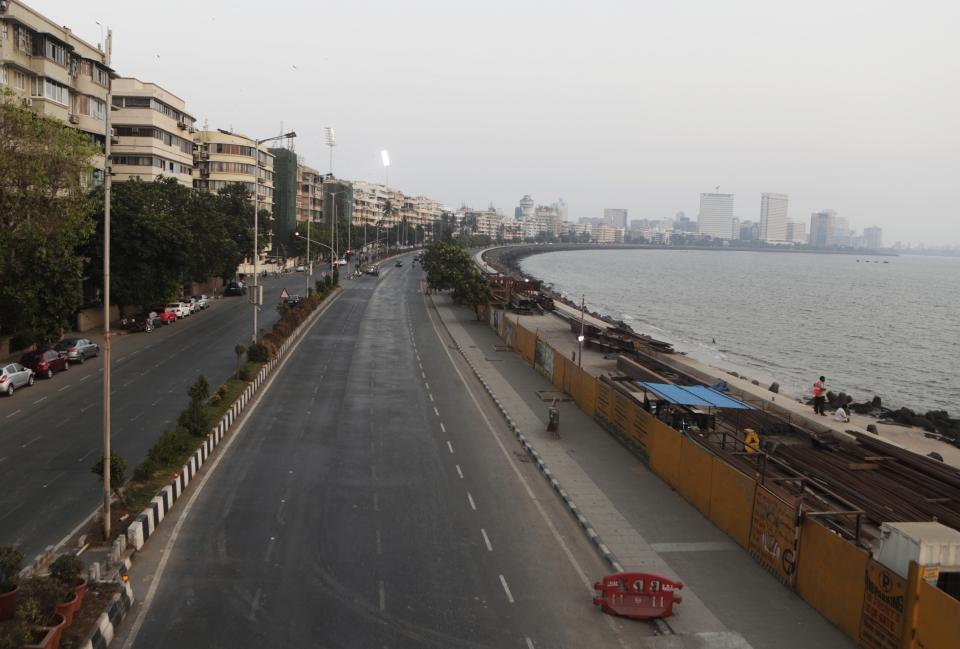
(841, 104)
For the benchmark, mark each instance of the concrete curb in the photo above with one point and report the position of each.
(147, 521)
(110, 619)
(541, 465)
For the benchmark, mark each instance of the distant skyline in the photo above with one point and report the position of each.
(847, 106)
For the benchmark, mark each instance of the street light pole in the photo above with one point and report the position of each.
(108, 44)
(256, 298)
(583, 302)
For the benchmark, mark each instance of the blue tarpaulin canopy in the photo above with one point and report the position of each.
(694, 395)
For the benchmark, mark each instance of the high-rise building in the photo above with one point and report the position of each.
(716, 215)
(873, 237)
(773, 217)
(615, 217)
(153, 133)
(309, 194)
(796, 232)
(222, 159)
(822, 225)
(526, 207)
(53, 73)
(284, 196)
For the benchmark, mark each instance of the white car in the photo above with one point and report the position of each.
(340, 262)
(179, 308)
(203, 301)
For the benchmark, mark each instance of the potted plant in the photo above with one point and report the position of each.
(68, 569)
(11, 560)
(39, 597)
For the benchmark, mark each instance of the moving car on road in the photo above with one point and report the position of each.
(373, 270)
(78, 349)
(235, 288)
(46, 362)
(13, 376)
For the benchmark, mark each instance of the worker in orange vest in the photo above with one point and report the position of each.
(820, 396)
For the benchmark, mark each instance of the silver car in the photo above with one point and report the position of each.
(78, 349)
(13, 376)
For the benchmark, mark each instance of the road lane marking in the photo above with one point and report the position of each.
(379, 543)
(39, 400)
(136, 416)
(62, 423)
(428, 385)
(13, 413)
(459, 472)
(84, 378)
(64, 387)
(473, 505)
(26, 444)
(270, 543)
(55, 478)
(3, 459)
(373, 473)
(450, 446)
(506, 589)
(437, 412)
(86, 407)
(423, 375)
(486, 539)
(529, 642)
(156, 402)
(254, 605)
(87, 454)
(443, 428)
(383, 597)
(376, 503)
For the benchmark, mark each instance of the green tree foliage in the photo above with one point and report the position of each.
(196, 418)
(118, 474)
(450, 267)
(45, 215)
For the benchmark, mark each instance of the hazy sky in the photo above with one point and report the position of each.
(847, 105)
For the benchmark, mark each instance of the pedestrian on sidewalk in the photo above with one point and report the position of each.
(820, 396)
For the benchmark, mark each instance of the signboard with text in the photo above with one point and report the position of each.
(884, 601)
(774, 534)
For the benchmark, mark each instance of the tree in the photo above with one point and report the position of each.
(473, 290)
(451, 267)
(118, 474)
(239, 350)
(196, 418)
(45, 216)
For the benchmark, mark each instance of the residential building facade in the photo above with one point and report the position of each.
(716, 215)
(796, 232)
(153, 133)
(873, 237)
(822, 225)
(773, 217)
(615, 217)
(309, 195)
(54, 73)
(223, 158)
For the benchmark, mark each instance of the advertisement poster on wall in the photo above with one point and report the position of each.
(884, 599)
(509, 339)
(774, 534)
(544, 359)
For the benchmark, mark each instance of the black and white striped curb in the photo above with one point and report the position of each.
(146, 523)
(109, 620)
(541, 465)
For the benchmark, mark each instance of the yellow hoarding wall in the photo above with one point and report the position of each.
(937, 620)
(774, 536)
(525, 343)
(830, 575)
(884, 607)
(696, 467)
(731, 501)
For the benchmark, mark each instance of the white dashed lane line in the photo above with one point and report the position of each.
(26, 444)
(84, 378)
(486, 539)
(64, 387)
(86, 455)
(450, 446)
(473, 505)
(62, 423)
(506, 589)
(18, 411)
(459, 472)
(443, 428)
(39, 400)
(436, 412)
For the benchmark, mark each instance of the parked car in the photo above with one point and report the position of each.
(140, 322)
(398, 264)
(235, 288)
(192, 303)
(203, 301)
(341, 262)
(13, 376)
(181, 310)
(79, 349)
(292, 299)
(373, 270)
(300, 269)
(166, 317)
(45, 362)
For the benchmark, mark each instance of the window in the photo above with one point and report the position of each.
(81, 105)
(234, 149)
(132, 102)
(55, 52)
(99, 111)
(19, 80)
(22, 39)
(133, 160)
(3, 74)
(51, 90)
(101, 76)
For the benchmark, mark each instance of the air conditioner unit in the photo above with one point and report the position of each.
(74, 119)
(27, 101)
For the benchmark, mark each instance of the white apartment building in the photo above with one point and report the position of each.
(716, 215)
(153, 133)
(796, 232)
(53, 72)
(773, 218)
(222, 159)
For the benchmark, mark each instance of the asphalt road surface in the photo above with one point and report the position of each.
(374, 499)
(51, 433)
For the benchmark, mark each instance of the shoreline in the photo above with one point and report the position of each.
(896, 422)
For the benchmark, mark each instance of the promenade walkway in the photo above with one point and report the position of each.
(728, 599)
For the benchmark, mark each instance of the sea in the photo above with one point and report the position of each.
(872, 325)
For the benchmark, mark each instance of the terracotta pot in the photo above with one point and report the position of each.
(8, 604)
(69, 607)
(51, 637)
(80, 589)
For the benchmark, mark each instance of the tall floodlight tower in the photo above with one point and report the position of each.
(331, 140)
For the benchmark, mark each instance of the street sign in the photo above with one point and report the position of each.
(284, 295)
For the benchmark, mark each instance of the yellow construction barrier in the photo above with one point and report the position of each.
(663, 443)
(731, 501)
(830, 576)
(695, 474)
(525, 343)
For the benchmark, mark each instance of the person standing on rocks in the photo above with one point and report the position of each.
(820, 396)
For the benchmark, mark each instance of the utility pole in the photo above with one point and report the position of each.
(107, 174)
(583, 303)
